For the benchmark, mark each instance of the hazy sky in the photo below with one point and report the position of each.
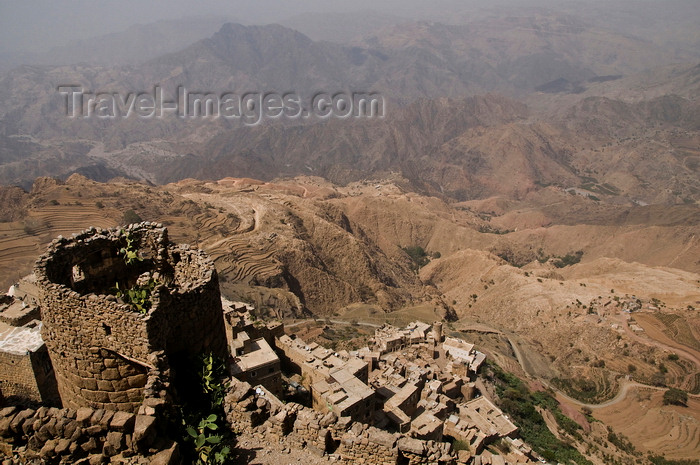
(39, 25)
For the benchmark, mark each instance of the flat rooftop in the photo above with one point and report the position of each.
(261, 354)
(345, 391)
(16, 310)
(20, 340)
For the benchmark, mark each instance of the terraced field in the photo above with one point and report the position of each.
(240, 251)
(669, 430)
(240, 262)
(685, 372)
(21, 242)
(678, 329)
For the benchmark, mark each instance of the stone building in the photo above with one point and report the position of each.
(257, 363)
(345, 395)
(26, 290)
(389, 339)
(238, 317)
(26, 373)
(17, 312)
(316, 363)
(479, 422)
(401, 406)
(103, 349)
(464, 353)
(337, 382)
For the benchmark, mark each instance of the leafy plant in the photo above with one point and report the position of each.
(130, 251)
(207, 444)
(203, 382)
(139, 297)
(211, 375)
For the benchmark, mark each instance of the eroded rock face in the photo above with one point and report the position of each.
(101, 346)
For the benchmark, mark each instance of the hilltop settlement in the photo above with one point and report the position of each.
(88, 345)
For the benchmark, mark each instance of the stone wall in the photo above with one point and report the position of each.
(417, 452)
(18, 377)
(84, 435)
(100, 347)
(28, 377)
(363, 444)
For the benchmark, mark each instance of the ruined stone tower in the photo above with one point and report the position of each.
(105, 349)
(437, 332)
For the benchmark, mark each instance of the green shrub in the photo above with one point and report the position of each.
(139, 297)
(130, 216)
(458, 445)
(417, 254)
(520, 403)
(568, 259)
(130, 251)
(202, 384)
(676, 397)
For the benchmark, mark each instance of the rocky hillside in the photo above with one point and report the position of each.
(287, 251)
(543, 284)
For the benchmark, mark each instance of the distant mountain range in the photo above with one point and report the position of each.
(137, 44)
(461, 148)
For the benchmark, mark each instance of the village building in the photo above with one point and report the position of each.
(238, 317)
(255, 362)
(388, 339)
(479, 422)
(26, 290)
(464, 353)
(427, 426)
(401, 407)
(337, 380)
(345, 395)
(26, 373)
(315, 363)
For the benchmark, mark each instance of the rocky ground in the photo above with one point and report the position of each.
(254, 449)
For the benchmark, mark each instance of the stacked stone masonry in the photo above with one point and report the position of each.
(85, 435)
(99, 346)
(28, 377)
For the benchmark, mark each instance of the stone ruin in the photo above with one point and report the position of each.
(112, 360)
(102, 350)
